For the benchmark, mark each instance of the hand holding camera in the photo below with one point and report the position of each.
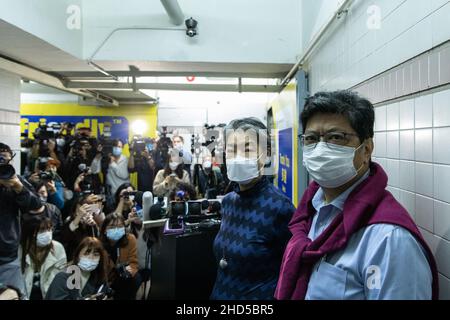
(34, 178)
(51, 187)
(124, 270)
(12, 183)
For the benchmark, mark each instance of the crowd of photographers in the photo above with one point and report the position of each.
(73, 206)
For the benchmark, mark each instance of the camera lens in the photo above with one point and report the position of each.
(7, 171)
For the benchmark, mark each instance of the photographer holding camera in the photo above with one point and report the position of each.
(91, 258)
(178, 144)
(121, 247)
(126, 206)
(50, 210)
(209, 181)
(141, 161)
(167, 179)
(15, 196)
(81, 152)
(48, 175)
(84, 221)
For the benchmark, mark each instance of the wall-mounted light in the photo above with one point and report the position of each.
(138, 127)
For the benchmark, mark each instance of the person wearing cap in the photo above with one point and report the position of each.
(15, 196)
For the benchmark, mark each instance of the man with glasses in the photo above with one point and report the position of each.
(351, 238)
(15, 195)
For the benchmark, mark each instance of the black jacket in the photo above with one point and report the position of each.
(10, 205)
(54, 214)
(59, 290)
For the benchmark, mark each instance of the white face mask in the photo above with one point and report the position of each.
(207, 165)
(242, 170)
(60, 142)
(331, 166)
(173, 165)
(43, 239)
(68, 194)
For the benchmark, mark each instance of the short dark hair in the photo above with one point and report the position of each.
(250, 123)
(5, 148)
(115, 142)
(359, 111)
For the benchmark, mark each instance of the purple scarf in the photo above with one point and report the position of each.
(368, 204)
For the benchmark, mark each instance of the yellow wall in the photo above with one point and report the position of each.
(147, 113)
(132, 113)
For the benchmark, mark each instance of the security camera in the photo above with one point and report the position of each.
(191, 25)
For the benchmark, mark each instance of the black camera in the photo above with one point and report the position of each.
(196, 208)
(139, 145)
(7, 171)
(107, 146)
(191, 27)
(45, 176)
(126, 195)
(86, 185)
(122, 271)
(44, 132)
(178, 208)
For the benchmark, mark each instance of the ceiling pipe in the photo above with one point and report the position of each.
(48, 80)
(174, 11)
(343, 8)
(96, 85)
(35, 75)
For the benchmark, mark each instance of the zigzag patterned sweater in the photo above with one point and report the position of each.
(252, 238)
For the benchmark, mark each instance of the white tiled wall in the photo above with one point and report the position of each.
(10, 113)
(419, 171)
(354, 53)
(412, 134)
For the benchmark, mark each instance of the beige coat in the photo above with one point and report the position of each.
(161, 188)
(55, 262)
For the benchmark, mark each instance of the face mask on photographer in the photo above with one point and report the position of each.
(242, 170)
(207, 165)
(60, 142)
(117, 151)
(150, 147)
(88, 264)
(115, 234)
(43, 239)
(173, 165)
(178, 145)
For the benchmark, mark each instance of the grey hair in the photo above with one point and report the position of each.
(250, 123)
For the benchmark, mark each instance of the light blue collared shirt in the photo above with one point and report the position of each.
(380, 262)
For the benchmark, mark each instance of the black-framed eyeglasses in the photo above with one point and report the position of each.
(334, 138)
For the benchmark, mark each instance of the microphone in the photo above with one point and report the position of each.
(147, 202)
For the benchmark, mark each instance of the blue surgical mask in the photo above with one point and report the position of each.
(88, 264)
(115, 234)
(117, 151)
(43, 239)
(150, 147)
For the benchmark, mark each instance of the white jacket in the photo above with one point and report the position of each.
(55, 262)
(118, 174)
